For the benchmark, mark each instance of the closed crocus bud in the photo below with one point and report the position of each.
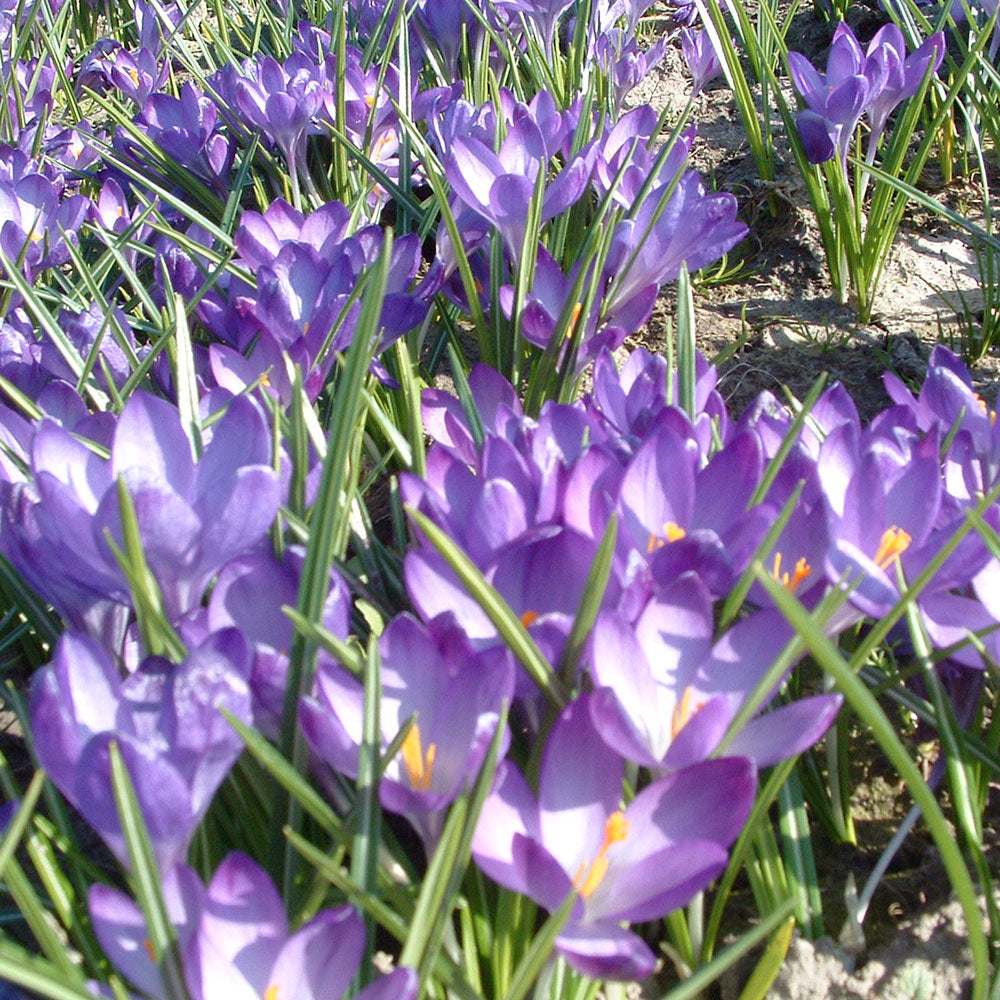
(701, 58)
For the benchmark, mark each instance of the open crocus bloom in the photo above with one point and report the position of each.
(432, 675)
(627, 865)
(668, 694)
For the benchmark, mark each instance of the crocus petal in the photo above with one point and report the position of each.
(700, 735)
(786, 731)
(149, 437)
(574, 801)
(815, 135)
(400, 984)
(121, 930)
(653, 886)
(242, 930)
(510, 811)
(319, 961)
(606, 951)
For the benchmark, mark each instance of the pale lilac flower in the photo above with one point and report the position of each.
(235, 941)
(166, 721)
(627, 865)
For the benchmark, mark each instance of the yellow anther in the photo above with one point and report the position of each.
(265, 380)
(895, 541)
(135, 77)
(419, 767)
(271, 993)
(684, 711)
(148, 945)
(528, 618)
(671, 532)
(369, 99)
(615, 830)
(801, 571)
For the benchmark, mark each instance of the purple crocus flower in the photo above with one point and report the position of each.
(166, 721)
(887, 517)
(836, 99)
(667, 693)
(138, 75)
(627, 865)
(701, 58)
(677, 517)
(186, 129)
(647, 250)
(36, 221)
(193, 516)
(431, 674)
(280, 101)
(153, 23)
(548, 297)
(235, 941)
(499, 186)
(900, 75)
(624, 62)
(543, 14)
(239, 600)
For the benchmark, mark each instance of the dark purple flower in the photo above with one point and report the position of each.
(838, 97)
(138, 75)
(280, 101)
(186, 130)
(900, 75)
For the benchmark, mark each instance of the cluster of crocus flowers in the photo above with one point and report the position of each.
(166, 722)
(856, 81)
(193, 515)
(655, 688)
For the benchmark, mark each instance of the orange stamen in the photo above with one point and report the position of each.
(799, 573)
(615, 830)
(672, 532)
(895, 541)
(528, 618)
(684, 711)
(574, 319)
(419, 767)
